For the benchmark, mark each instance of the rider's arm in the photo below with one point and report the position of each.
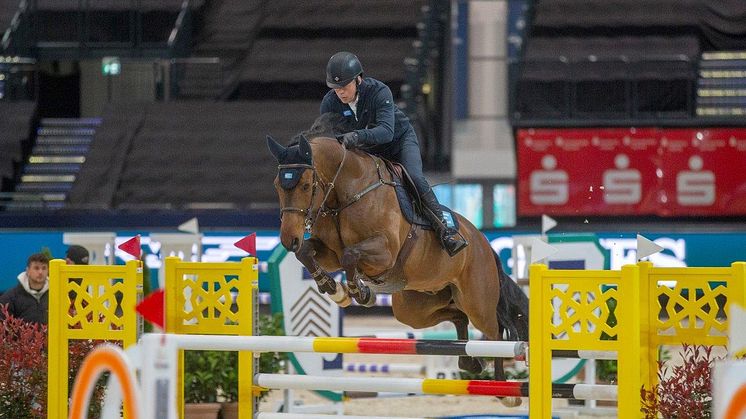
(383, 130)
(326, 104)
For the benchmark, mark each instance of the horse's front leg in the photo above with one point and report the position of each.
(372, 253)
(310, 254)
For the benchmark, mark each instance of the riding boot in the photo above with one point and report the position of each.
(450, 239)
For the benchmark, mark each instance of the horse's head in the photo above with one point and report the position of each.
(297, 187)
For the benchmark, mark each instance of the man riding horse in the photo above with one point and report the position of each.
(382, 129)
(339, 211)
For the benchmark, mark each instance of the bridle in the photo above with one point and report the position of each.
(310, 218)
(323, 210)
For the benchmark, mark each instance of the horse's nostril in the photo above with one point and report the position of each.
(295, 245)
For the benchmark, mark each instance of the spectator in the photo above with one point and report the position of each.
(30, 300)
(76, 255)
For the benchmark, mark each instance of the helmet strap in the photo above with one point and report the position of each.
(357, 86)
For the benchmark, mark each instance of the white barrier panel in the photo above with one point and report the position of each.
(729, 389)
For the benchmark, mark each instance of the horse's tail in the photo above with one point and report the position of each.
(512, 308)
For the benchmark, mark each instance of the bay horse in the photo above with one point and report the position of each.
(346, 200)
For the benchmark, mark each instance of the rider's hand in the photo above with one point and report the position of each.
(350, 140)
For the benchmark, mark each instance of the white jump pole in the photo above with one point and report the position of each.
(268, 415)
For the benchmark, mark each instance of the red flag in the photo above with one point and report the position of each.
(151, 308)
(132, 246)
(247, 244)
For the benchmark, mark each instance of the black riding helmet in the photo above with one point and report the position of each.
(342, 68)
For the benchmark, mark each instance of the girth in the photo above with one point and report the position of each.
(406, 249)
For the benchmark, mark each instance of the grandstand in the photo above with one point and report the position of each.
(118, 108)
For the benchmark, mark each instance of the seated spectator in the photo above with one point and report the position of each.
(30, 300)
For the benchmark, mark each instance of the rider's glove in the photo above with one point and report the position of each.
(351, 140)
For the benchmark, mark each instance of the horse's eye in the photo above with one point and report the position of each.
(306, 186)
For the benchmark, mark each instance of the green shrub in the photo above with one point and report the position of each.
(211, 376)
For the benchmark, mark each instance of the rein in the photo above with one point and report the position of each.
(323, 210)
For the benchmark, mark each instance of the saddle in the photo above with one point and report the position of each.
(409, 200)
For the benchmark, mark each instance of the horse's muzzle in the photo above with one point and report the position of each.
(294, 246)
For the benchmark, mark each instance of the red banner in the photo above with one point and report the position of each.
(628, 171)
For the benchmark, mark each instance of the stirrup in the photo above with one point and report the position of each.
(456, 243)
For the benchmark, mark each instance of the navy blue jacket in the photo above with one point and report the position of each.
(380, 125)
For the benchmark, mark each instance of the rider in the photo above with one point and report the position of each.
(383, 130)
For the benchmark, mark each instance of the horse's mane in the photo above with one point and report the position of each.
(329, 125)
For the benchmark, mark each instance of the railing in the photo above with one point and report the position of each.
(18, 79)
(180, 38)
(17, 38)
(596, 89)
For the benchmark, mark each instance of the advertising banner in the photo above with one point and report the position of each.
(628, 171)
(703, 172)
(587, 171)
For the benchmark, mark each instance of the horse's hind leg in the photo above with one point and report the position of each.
(466, 363)
(419, 310)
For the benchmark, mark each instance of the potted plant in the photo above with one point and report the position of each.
(683, 391)
(269, 362)
(23, 368)
(202, 378)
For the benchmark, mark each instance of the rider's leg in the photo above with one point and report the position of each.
(411, 159)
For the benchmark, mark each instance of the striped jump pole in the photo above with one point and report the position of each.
(349, 345)
(479, 348)
(431, 386)
(474, 334)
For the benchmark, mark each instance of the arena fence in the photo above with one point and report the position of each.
(630, 312)
(87, 302)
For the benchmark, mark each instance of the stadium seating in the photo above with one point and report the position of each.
(107, 21)
(16, 120)
(173, 155)
(590, 60)
(361, 15)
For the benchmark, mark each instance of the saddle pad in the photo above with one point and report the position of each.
(406, 204)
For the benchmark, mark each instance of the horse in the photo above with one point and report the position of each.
(346, 200)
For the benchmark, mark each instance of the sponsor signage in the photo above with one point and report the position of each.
(628, 171)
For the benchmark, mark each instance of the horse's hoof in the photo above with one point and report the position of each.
(470, 364)
(363, 295)
(341, 296)
(511, 401)
(368, 298)
(344, 302)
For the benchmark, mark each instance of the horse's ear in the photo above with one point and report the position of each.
(305, 149)
(277, 149)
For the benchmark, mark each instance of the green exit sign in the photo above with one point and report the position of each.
(110, 66)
